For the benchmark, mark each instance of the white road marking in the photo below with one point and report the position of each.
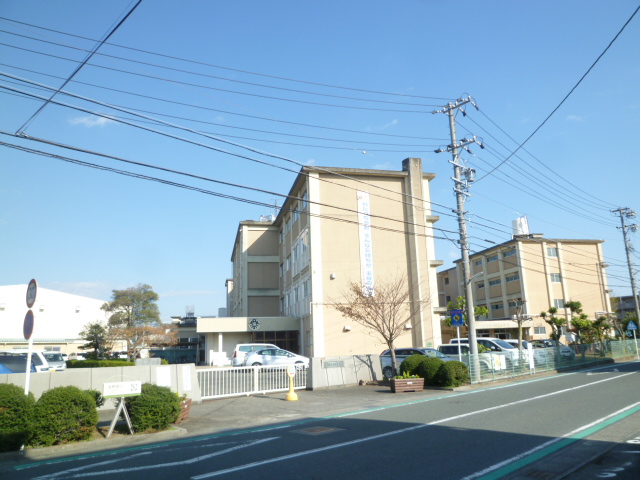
(147, 467)
(404, 430)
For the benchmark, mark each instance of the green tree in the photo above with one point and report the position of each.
(460, 304)
(98, 339)
(556, 324)
(135, 317)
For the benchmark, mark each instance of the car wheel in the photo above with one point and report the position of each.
(387, 372)
(256, 364)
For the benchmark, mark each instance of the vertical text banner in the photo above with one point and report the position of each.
(366, 250)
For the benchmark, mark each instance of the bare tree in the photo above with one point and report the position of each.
(386, 310)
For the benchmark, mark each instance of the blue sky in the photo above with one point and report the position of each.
(349, 84)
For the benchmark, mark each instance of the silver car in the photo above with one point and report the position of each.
(275, 356)
(402, 353)
(55, 361)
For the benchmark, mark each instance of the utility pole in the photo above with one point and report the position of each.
(460, 188)
(628, 213)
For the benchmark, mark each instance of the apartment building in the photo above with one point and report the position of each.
(338, 225)
(536, 272)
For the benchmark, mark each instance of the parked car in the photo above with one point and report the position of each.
(14, 364)
(495, 345)
(77, 356)
(540, 356)
(55, 361)
(461, 352)
(386, 362)
(275, 356)
(37, 358)
(565, 351)
(243, 349)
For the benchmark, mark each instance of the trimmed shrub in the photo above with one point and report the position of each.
(410, 364)
(155, 409)
(428, 368)
(62, 415)
(16, 417)
(97, 397)
(452, 374)
(98, 363)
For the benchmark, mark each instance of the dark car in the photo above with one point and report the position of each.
(402, 353)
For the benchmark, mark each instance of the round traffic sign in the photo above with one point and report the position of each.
(32, 290)
(27, 327)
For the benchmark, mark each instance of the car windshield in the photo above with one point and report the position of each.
(503, 344)
(54, 357)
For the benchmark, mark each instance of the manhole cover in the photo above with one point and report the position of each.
(317, 430)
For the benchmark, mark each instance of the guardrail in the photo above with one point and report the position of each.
(239, 381)
(552, 358)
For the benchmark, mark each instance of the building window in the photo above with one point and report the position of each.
(447, 298)
(287, 264)
(446, 280)
(539, 331)
(513, 304)
(480, 284)
(556, 278)
(305, 288)
(287, 226)
(509, 253)
(304, 201)
(281, 237)
(478, 263)
(492, 258)
(558, 303)
(513, 278)
(497, 281)
(296, 213)
(552, 251)
(497, 306)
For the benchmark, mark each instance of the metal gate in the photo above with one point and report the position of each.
(238, 381)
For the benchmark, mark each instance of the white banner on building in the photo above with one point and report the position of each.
(366, 251)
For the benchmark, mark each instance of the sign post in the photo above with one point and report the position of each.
(633, 327)
(27, 329)
(121, 390)
(292, 396)
(457, 320)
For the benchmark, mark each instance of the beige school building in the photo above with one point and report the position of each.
(337, 225)
(535, 272)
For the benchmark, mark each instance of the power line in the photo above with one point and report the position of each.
(565, 97)
(228, 68)
(83, 63)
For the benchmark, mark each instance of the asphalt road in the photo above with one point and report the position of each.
(546, 427)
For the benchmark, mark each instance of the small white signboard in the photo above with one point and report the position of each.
(122, 389)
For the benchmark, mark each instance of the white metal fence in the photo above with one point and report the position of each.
(554, 358)
(238, 381)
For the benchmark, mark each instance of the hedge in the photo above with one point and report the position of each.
(452, 374)
(16, 417)
(410, 364)
(428, 368)
(98, 363)
(155, 409)
(62, 415)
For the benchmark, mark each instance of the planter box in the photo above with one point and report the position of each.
(399, 385)
(185, 410)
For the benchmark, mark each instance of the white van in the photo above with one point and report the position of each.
(495, 345)
(37, 358)
(242, 350)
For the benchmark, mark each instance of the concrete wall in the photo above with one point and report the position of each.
(340, 371)
(182, 379)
